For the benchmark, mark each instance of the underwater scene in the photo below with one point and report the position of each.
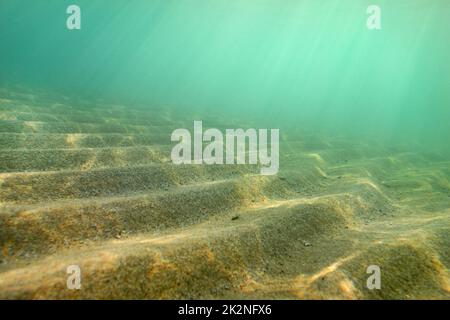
(225, 149)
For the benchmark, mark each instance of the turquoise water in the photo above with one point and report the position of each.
(311, 64)
(95, 176)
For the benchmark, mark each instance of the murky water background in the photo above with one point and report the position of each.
(311, 64)
(87, 178)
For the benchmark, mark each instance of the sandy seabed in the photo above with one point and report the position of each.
(93, 186)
